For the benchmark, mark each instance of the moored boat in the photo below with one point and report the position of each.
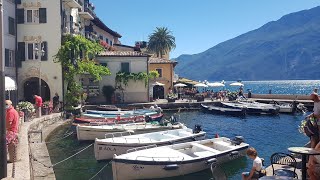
(118, 119)
(224, 110)
(177, 159)
(252, 108)
(88, 132)
(106, 148)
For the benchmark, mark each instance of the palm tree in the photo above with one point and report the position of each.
(161, 41)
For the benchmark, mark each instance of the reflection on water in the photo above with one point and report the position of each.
(268, 134)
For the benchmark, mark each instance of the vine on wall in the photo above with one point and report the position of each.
(122, 78)
(76, 56)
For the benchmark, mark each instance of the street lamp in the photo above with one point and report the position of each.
(3, 143)
(39, 52)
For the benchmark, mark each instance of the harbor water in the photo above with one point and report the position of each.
(268, 134)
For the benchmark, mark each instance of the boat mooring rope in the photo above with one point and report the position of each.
(100, 170)
(35, 159)
(49, 142)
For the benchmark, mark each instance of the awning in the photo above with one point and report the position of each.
(10, 84)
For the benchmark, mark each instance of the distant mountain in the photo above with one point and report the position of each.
(285, 49)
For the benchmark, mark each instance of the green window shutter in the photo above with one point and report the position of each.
(42, 15)
(20, 16)
(7, 57)
(30, 51)
(18, 1)
(44, 45)
(125, 67)
(21, 53)
(12, 29)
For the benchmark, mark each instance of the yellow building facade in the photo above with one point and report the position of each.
(165, 69)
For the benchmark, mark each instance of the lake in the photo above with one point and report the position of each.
(268, 134)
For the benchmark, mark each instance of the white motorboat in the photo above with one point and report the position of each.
(106, 148)
(177, 159)
(86, 132)
(253, 107)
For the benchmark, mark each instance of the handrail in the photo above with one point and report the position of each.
(141, 148)
(153, 158)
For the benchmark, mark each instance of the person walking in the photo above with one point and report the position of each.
(12, 127)
(56, 102)
(316, 115)
(38, 105)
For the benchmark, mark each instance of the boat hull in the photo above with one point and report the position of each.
(90, 134)
(162, 169)
(105, 151)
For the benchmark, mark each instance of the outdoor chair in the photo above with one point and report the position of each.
(283, 165)
(217, 172)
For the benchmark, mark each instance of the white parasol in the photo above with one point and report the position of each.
(158, 84)
(10, 84)
(236, 84)
(180, 85)
(200, 85)
(216, 84)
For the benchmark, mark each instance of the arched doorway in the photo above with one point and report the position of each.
(31, 87)
(158, 92)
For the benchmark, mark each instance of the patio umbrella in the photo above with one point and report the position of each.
(236, 84)
(10, 84)
(180, 85)
(158, 84)
(200, 85)
(216, 84)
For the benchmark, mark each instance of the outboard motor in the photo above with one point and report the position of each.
(197, 129)
(148, 119)
(173, 119)
(238, 140)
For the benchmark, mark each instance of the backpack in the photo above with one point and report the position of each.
(311, 127)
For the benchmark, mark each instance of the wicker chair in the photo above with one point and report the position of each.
(282, 165)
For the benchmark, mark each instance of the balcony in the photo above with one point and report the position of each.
(73, 3)
(86, 15)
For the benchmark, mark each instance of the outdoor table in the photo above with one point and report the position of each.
(304, 151)
(276, 177)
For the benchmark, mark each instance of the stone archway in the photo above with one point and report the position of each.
(158, 92)
(31, 87)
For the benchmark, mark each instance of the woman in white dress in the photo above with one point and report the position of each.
(314, 165)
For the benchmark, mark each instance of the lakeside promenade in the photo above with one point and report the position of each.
(23, 169)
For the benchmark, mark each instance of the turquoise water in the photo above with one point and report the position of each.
(268, 134)
(277, 87)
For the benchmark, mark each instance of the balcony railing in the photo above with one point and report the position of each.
(73, 3)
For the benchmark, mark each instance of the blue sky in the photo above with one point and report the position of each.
(197, 24)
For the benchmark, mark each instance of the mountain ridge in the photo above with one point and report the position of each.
(287, 48)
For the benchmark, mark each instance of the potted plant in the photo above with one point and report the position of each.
(172, 97)
(27, 108)
(46, 107)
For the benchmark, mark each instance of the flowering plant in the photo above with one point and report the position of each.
(25, 105)
(172, 96)
(303, 124)
(46, 104)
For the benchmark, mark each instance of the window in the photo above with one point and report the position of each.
(104, 64)
(107, 40)
(12, 29)
(32, 16)
(160, 72)
(9, 58)
(32, 55)
(110, 43)
(125, 67)
(101, 37)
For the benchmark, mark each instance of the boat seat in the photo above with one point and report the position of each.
(204, 153)
(205, 148)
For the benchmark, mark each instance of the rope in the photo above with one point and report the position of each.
(14, 161)
(100, 170)
(35, 159)
(60, 138)
(72, 156)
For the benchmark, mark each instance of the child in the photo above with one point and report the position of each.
(255, 172)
